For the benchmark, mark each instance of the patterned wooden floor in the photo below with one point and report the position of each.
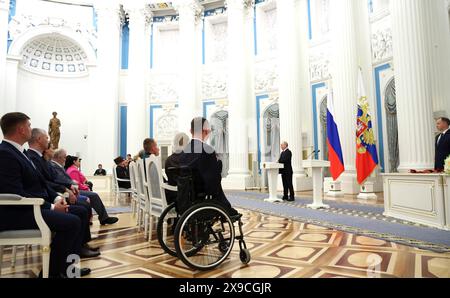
(279, 248)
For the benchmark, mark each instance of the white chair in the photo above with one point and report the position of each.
(143, 198)
(117, 189)
(133, 181)
(156, 190)
(40, 236)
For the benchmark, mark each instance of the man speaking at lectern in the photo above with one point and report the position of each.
(286, 172)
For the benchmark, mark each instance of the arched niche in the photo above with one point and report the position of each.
(219, 138)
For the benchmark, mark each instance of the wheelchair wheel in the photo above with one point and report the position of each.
(245, 256)
(207, 230)
(168, 245)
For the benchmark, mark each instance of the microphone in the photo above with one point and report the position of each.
(314, 151)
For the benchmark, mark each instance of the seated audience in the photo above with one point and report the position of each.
(38, 142)
(72, 166)
(150, 148)
(202, 159)
(129, 159)
(57, 166)
(100, 171)
(18, 175)
(122, 172)
(173, 161)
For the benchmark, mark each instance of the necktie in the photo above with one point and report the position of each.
(26, 156)
(440, 137)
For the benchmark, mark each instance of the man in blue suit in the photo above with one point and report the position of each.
(18, 175)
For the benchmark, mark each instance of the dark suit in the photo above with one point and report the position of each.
(60, 176)
(172, 161)
(286, 173)
(42, 166)
(19, 176)
(201, 158)
(99, 172)
(442, 150)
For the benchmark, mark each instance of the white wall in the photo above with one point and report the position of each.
(38, 96)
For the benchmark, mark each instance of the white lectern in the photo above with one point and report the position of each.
(272, 169)
(316, 166)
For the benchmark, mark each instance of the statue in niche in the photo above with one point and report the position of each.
(53, 131)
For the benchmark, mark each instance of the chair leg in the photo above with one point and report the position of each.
(1, 259)
(13, 256)
(150, 229)
(146, 224)
(45, 261)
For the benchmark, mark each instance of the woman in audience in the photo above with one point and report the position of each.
(72, 167)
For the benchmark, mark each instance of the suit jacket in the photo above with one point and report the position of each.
(18, 176)
(172, 161)
(123, 173)
(59, 175)
(286, 160)
(442, 150)
(43, 168)
(99, 172)
(78, 177)
(201, 158)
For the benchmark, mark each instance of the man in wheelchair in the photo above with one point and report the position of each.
(199, 171)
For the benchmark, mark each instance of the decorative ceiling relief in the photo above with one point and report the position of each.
(214, 83)
(20, 23)
(54, 55)
(266, 76)
(166, 126)
(163, 87)
(382, 45)
(319, 64)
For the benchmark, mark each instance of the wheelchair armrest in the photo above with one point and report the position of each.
(127, 180)
(169, 187)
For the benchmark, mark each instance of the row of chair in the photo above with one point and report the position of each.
(148, 193)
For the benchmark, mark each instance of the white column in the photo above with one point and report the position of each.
(4, 13)
(138, 69)
(240, 90)
(350, 50)
(190, 62)
(411, 22)
(293, 65)
(103, 127)
(440, 62)
(12, 67)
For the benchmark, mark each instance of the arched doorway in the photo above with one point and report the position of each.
(271, 133)
(390, 106)
(219, 138)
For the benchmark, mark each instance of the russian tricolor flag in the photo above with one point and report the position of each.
(333, 141)
(366, 150)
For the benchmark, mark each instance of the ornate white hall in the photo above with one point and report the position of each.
(120, 71)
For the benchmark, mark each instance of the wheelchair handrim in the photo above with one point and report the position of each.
(232, 236)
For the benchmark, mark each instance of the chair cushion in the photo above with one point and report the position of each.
(15, 234)
(10, 197)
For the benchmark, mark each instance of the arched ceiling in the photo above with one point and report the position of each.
(54, 54)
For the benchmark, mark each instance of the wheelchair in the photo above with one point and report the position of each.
(201, 232)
